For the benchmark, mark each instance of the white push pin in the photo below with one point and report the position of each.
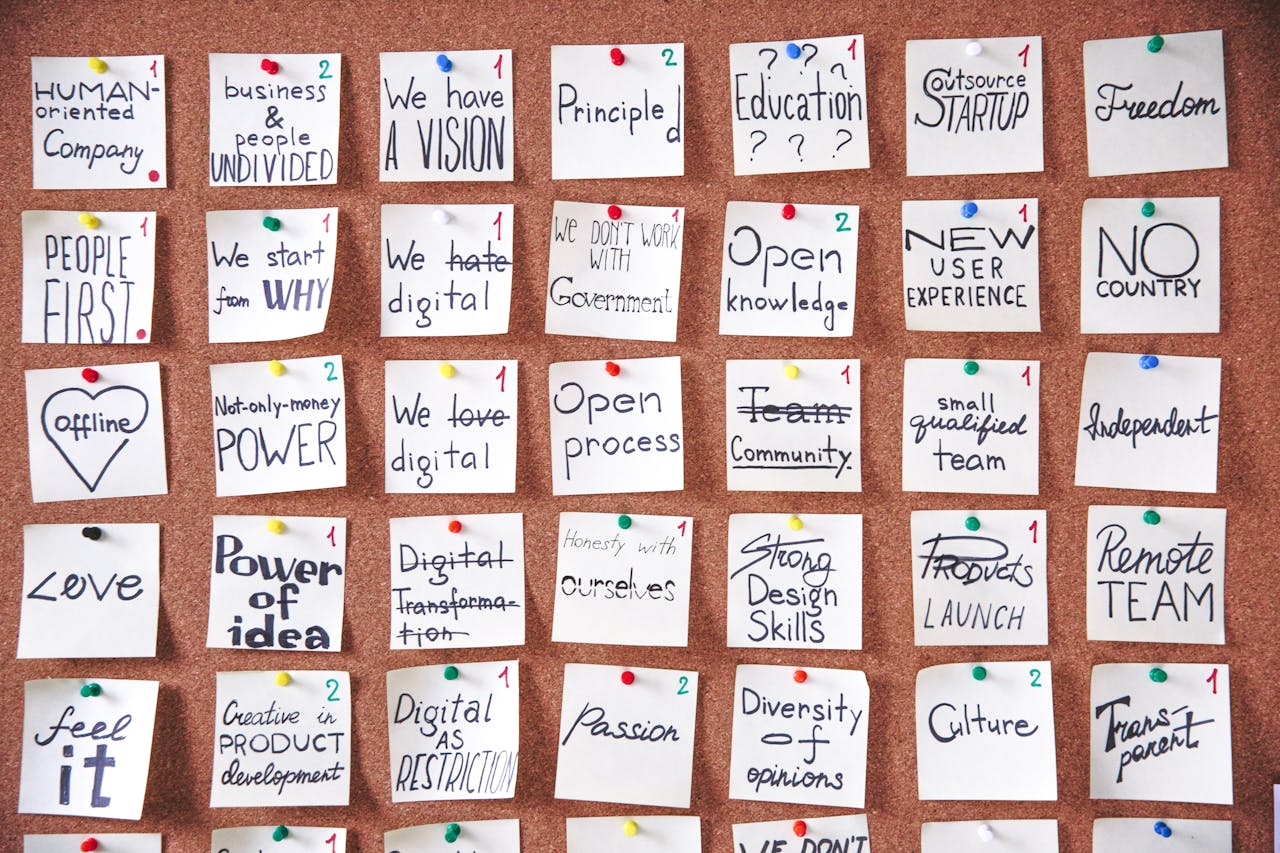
(440, 216)
(985, 832)
(973, 49)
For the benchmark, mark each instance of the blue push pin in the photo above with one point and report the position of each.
(1147, 362)
(444, 63)
(793, 51)
(1162, 829)
(969, 210)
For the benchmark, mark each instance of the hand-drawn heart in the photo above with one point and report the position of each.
(90, 433)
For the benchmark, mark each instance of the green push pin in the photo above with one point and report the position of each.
(451, 832)
(451, 673)
(1155, 44)
(1158, 675)
(271, 223)
(1151, 517)
(971, 367)
(1148, 209)
(280, 833)
(624, 522)
(92, 689)
(972, 523)
(979, 673)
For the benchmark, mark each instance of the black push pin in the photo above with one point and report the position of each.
(91, 533)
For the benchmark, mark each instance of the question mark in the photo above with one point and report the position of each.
(762, 51)
(809, 56)
(848, 139)
(799, 144)
(763, 137)
(839, 66)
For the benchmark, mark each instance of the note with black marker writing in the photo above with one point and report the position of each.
(475, 836)
(96, 432)
(1135, 835)
(87, 597)
(98, 126)
(1013, 836)
(115, 842)
(799, 106)
(843, 833)
(83, 285)
(256, 839)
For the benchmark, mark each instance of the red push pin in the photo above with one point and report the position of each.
(615, 212)
(270, 66)
(89, 844)
(455, 526)
(89, 375)
(788, 211)
(153, 176)
(612, 368)
(628, 677)
(616, 56)
(800, 676)
(800, 828)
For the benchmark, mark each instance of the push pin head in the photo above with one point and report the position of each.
(800, 828)
(88, 220)
(979, 673)
(283, 679)
(455, 526)
(628, 677)
(1148, 209)
(971, 367)
(1162, 829)
(612, 368)
(1147, 362)
(440, 216)
(616, 56)
(795, 523)
(788, 211)
(985, 832)
(1151, 517)
(275, 525)
(793, 51)
(444, 63)
(1158, 675)
(969, 210)
(624, 522)
(89, 844)
(1155, 44)
(615, 212)
(275, 367)
(971, 523)
(800, 676)
(91, 533)
(93, 688)
(451, 832)
(630, 828)
(791, 371)
(89, 375)
(97, 66)
(280, 833)
(973, 48)
(451, 673)
(271, 223)
(270, 66)
(447, 370)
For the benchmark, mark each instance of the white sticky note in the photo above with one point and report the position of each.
(800, 736)
(801, 434)
(66, 769)
(975, 106)
(1157, 273)
(988, 739)
(255, 839)
(1168, 741)
(1154, 428)
(89, 598)
(1005, 836)
(799, 106)
(280, 744)
(1138, 835)
(446, 116)
(99, 439)
(1155, 112)
(1156, 574)
(654, 834)
(461, 590)
(451, 427)
(789, 277)
(795, 589)
(115, 842)
(273, 126)
(614, 278)
(84, 285)
(454, 738)
(617, 111)
(979, 577)
(477, 836)
(627, 743)
(277, 591)
(845, 833)
(975, 273)
(971, 432)
(93, 130)
(285, 433)
(616, 426)
(623, 579)
(270, 273)
(446, 270)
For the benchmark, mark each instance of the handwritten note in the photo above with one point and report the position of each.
(477, 836)
(614, 276)
(83, 285)
(446, 116)
(279, 433)
(789, 269)
(277, 590)
(623, 579)
(96, 432)
(454, 731)
(273, 120)
(970, 836)
(653, 834)
(626, 735)
(457, 590)
(451, 426)
(975, 106)
(799, 106)
(616, 426)
(978, 272)
(446, 270)
(795, 588)
(793, 426)
(255, 839)
(86, 746)
(1149, 265)
(979, 578)
(1155, 106)
(1161, 732)
(98, 126)
(843, 833)
(89, 591)
(270, 273)
(984, 731)
(1149, 428)
(800, 736)
(1135, 835)
(971, 426)
(617, 111)
(116, 842)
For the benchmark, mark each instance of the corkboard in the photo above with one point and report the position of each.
(186, 31)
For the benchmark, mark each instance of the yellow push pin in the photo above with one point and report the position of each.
(447, 370)
(630, 828)
(275, 525)
(97, 66)
(88, 220)
(276, 367)
(283, 679)
(795, 523)
(791, 371)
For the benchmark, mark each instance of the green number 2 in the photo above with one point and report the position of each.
(684, 686)
(669, 55)
(842, 222)
(332, 684)
(332, 377)
(324, 70)
(1035, 678)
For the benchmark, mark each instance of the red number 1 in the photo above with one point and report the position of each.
(326, 223)
(853, 50)
(332, 841)
(1026, 374)
(498, 222)
(502, 379)
(498, 65)
(1035, 531)
(1213, 679)
(845, 374)
(682, 526)
(1024, 53)
(144, 225)
(332, 540)
(153, 68)
(503, 676)
(1023, 211)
